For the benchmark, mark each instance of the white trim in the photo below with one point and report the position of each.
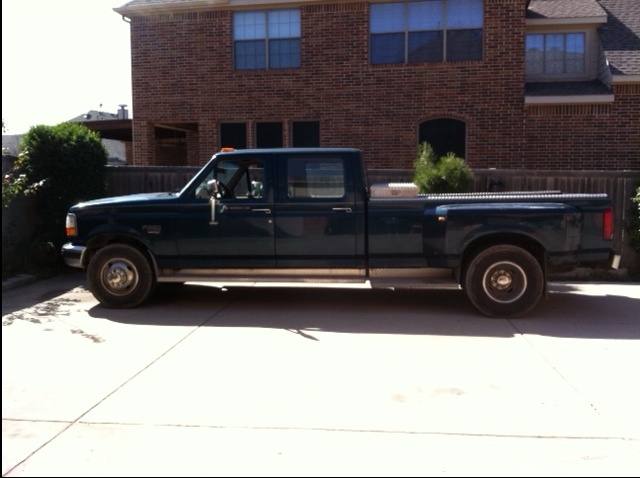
(566, 21)
(203, 5)
(568, 100)
(269, 3)
(622, 79)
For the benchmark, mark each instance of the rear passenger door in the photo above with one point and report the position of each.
(317, 221)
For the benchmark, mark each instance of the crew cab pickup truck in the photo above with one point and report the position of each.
(308, 214)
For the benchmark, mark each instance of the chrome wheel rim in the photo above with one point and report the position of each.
(119, 276)
(504, 282)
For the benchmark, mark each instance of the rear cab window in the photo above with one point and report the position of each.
(319, 177)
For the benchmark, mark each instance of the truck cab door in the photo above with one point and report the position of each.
(233, 227)
(319, 222)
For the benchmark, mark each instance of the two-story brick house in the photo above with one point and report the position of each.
(508, 84)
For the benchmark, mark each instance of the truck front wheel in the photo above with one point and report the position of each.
(120, 276)
(504, 281)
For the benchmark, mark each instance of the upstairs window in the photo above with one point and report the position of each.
(266, 39)
(424, 31)
(555, 54)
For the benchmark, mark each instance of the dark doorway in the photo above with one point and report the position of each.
(445, 135)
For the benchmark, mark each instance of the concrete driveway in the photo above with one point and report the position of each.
(260, 381)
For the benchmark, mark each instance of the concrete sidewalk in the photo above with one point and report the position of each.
(19, 280)
(207, 381)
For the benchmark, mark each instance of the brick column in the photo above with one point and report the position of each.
(143, 144)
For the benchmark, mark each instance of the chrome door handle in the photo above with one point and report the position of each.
(342, 209)
(266, 211)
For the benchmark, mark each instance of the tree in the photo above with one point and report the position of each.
(58, 166)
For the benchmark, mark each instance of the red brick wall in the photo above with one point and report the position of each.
(586, 137)
(183, 72)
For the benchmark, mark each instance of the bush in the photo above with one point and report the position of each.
(447, 174)
(58, 166)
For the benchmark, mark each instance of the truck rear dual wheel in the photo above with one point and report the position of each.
(120, 276)
(504, 281)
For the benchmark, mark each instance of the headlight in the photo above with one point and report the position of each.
(71, 225)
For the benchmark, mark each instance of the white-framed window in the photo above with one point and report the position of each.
(556, 54)
(427, 30)
(266, 39)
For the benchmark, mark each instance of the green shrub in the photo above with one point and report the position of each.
(447, 174)
(58, 166)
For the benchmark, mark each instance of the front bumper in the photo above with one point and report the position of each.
(73, 255)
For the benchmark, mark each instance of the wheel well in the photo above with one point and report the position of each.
(103, 240)
(528, 244)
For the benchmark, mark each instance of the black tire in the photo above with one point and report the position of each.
(120, 276)
(504, 281)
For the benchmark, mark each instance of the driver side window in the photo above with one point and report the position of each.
(201, 191)
(238, 178)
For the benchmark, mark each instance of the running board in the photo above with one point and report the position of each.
(263, 275)
(406, 278)
(433, 284)
(415, 278)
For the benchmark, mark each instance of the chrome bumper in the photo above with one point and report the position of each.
(73, 255)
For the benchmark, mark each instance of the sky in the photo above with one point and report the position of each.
(61, 59)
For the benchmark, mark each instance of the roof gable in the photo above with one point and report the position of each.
(621, 37)
(574, 11)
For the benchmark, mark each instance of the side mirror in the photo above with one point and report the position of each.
(212, 188)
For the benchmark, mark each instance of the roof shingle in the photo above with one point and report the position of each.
(555, 9)
(567, 88)
(621, 36)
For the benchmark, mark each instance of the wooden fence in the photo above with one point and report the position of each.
(620, 186)
(123, 180)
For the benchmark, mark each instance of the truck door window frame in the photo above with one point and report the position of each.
(314, 177)
(243, 177)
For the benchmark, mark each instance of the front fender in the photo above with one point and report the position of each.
(103, 235)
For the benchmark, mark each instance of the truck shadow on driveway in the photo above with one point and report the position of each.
(567, 312)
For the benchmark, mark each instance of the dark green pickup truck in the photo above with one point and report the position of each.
(308, 215)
